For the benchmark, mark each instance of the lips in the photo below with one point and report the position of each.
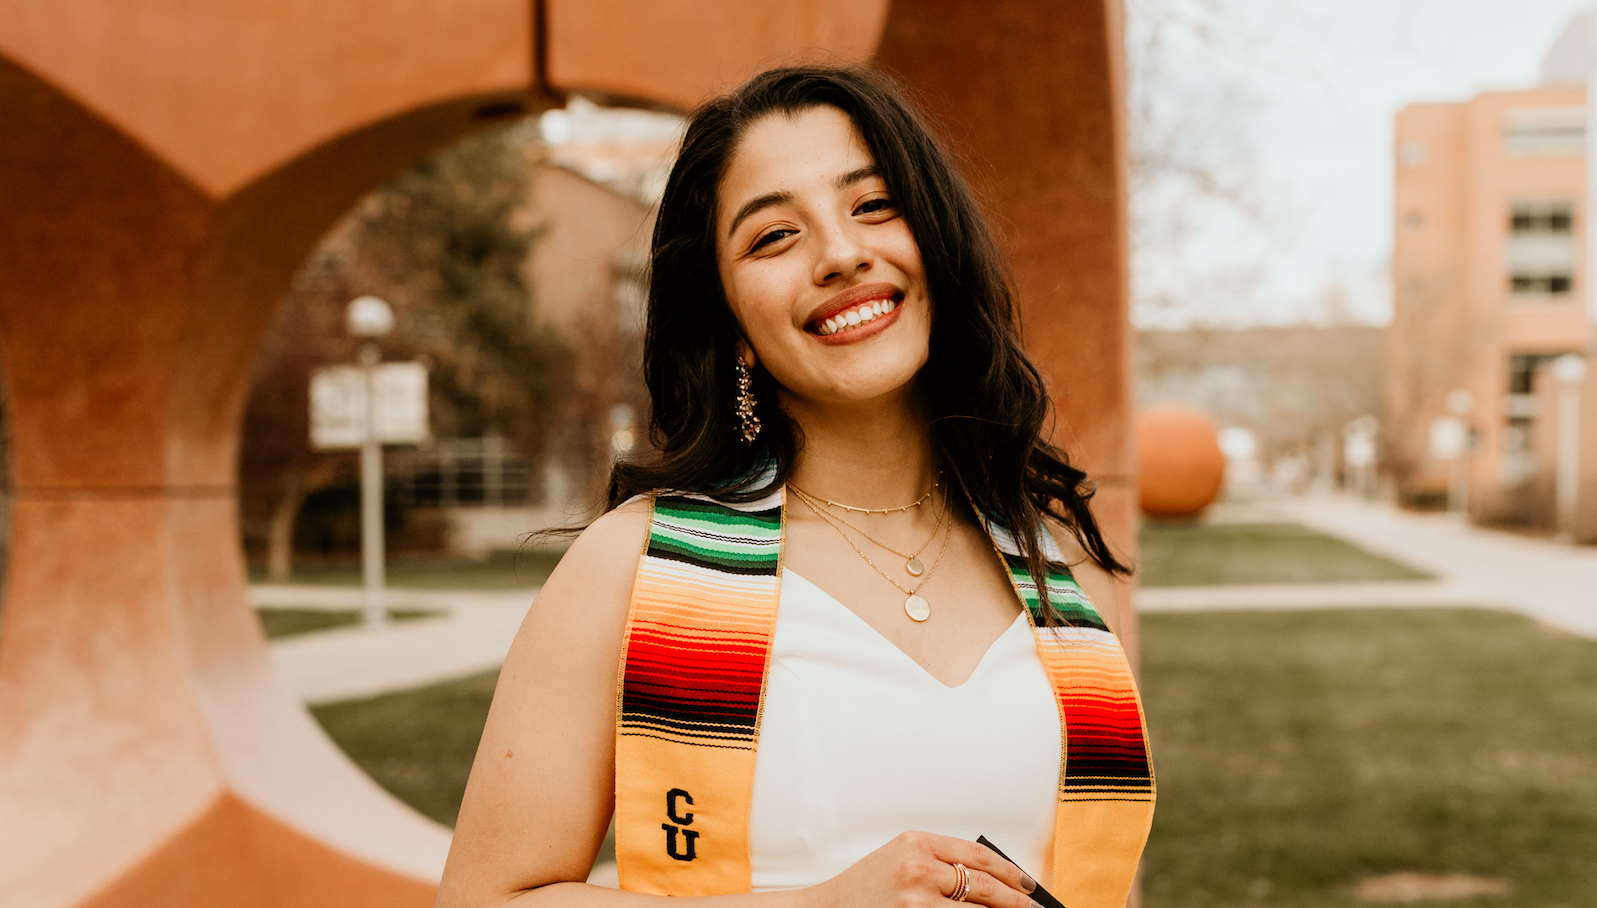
(853, 308)
(863, 314)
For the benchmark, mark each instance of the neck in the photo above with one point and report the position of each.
(876, 454)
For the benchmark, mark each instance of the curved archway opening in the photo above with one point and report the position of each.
(514, 262)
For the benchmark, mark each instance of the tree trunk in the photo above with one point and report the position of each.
(280, 538)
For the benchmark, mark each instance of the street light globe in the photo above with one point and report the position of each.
(1570, 369)
(369, 316)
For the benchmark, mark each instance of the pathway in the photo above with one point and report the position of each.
(472, 635)
(1550, 581)
(1475, 568)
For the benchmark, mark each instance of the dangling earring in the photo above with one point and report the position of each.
(748, 423)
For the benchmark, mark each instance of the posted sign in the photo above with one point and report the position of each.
(1449, 438)
(338, 405)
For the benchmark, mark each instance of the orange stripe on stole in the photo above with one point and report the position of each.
(1106, 785)
(698, 645)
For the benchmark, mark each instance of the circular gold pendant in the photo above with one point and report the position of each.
(914, 567)
(916, 608)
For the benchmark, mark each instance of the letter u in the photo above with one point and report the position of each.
(671, 842)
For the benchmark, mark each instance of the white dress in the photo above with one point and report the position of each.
(858, 744)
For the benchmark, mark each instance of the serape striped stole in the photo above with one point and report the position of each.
(692, 686)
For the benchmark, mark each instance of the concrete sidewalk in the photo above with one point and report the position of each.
(472, 635)
(1546, 580)
(1475, 568)
(1287, 596)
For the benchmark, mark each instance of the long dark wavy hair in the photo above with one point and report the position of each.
(986, 399)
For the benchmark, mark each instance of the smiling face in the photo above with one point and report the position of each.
(821, 272)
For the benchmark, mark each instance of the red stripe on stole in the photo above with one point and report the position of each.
(690, 665)
(734, 656)
(1101, 720)
(1122, 718)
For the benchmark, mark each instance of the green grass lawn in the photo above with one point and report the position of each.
(1297, 753)
(286, 622)
(418, 744)
(1300, 752)
(1189, 553)
(499, 571)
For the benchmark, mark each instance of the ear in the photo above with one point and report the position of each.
(745, 352)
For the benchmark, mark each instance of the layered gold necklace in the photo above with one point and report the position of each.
(915, 605)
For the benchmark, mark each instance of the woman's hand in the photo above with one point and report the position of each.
(916, 870)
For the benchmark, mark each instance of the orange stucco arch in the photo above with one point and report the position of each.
(164, 168)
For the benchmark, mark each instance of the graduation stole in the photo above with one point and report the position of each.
(692, 688)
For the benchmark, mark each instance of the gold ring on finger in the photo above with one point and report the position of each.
(961, 883)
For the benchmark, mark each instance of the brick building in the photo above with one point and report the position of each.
(1490, 285)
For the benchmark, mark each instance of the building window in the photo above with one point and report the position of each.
(1522, 369)
(1544, 132)
(1556, 218)
(1524, 282)
(1412, 154)
(1518, 465)
(1540, 254)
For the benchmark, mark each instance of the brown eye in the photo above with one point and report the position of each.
(769, 238)
(874, 206)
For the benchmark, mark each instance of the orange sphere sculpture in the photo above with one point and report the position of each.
(1179, 463)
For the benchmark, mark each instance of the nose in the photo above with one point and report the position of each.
(841, 252)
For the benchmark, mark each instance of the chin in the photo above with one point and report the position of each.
(882, 386)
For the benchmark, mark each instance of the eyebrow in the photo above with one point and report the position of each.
(754, 206)
(760, 203)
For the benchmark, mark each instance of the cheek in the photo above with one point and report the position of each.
(909, 255)
(762, 301)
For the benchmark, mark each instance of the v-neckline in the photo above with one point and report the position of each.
(981, 664)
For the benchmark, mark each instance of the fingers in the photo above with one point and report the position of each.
(982, 859)
(985, 889)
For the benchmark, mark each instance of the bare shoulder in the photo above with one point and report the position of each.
(611, 543)
(574, 627)
(591, 587)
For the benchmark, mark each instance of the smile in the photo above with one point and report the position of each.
(850, 319)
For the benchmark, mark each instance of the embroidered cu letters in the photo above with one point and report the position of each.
(686, 819)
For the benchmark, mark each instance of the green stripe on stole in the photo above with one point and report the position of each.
(692, 688)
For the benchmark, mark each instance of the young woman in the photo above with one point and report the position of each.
(849, 646)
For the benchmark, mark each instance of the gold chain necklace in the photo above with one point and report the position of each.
(915, 605)
(912, 562)
(936, 480)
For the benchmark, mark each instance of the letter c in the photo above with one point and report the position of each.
(671, 806)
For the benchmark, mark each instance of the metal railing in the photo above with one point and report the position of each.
(461, 472)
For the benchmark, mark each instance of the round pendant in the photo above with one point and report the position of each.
(916, 608)
(914, 567)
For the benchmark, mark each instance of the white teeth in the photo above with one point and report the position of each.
(862, 314)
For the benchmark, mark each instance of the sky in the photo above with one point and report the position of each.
(1294, 100)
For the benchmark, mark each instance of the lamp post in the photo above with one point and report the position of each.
(369, 318)
(1459, 403)
(1359, 453)
(1569, 370)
